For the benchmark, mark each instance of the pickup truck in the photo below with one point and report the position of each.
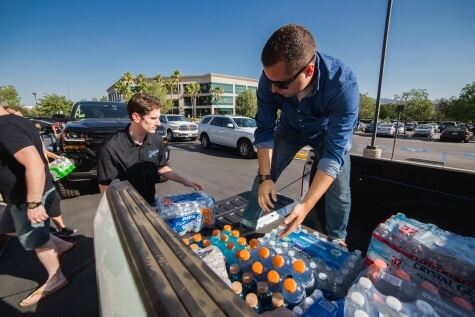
(177, 127)
(90, 123)
(160, 276)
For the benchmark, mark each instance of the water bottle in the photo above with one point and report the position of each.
(279, 307)
(281, 264)
(234, 272)
(303, 276)
(354, 301)
(215, 237)
(252, 302)
(264, 296)
(303, 306)
(265, 257)
(240, 245)
(389, 284)
(292, 292)
(197, 239)
(359, 313)
(223, 242)
(274, 281)
(462, 304)
(424, 309)
(194, 247)
(236, 286)
(258, 271)
(227, 230)
(248, 283)
(245, 262)
(254, 245)
(323, 282)
(230, 254)
(234, 236)
(206, 243)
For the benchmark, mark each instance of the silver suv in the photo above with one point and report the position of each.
(177, 126)
(227, 130)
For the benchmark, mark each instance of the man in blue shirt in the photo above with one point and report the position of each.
(318, 98)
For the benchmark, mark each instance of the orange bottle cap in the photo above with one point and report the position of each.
(264, 252)
(290, 285)
(278, 261)
(403, 275)
(462, 302)
(254, 243)
(257, 267)
(428, 286)
(186, 241)
(251, 300)
(194, 246)
(242, 241)
(236, 287)
(227, 228)
(216, 233)
(230, 246)
(235, 233)
(277, 299)
(379, 264)
(206, 243)
(224, 238)
(244, 255)
(299, 266)
(273, 277)
(197, 237)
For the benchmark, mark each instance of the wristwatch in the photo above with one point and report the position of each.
(33, 205)
(263, 178)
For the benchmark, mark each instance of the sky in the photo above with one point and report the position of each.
(78, 48)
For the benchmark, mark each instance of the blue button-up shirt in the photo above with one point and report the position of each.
(327, 114)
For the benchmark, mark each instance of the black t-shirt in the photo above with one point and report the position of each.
(17, 133)
(119, 157)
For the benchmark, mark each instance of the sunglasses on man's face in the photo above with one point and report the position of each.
(284, 84)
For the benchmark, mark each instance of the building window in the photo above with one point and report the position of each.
(227, 88)
(239, 89)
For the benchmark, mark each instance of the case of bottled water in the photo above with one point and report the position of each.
(188, 212)
(61, 167)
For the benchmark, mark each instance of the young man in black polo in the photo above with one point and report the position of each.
(137, 153)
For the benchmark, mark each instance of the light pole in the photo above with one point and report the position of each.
(36, 101)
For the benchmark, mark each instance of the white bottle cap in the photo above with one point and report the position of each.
(285, 244)
(309, 301)
(357, 298)
(278, 251)
(424, 307)
(297, 310)
(322, 276)
(360, 313)
(313, 265)
(291, 253)
(365, 283)
(393, 303)
(317, 294)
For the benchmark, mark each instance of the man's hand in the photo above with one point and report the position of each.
(37, 215)
(196, 186)
(267, 188)
(295, 219)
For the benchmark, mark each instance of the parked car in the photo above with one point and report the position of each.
(456, 133)
(369, 128)
(411, 126)
(425, 130)
(386, 129)
(227, 130)
(177, 126)
(446, 124)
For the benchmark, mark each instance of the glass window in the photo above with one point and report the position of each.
(163, 119)
(226, 121)
(227, 88)
(245, 122)
(217, 121)
(206, 120)
(239, 89)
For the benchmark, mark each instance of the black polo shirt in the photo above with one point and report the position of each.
(120, 157)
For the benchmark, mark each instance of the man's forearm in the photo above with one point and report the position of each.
(264, 156)
(320, 184)
(35, 183)
(171, 175)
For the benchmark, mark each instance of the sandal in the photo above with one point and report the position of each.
(41, 294)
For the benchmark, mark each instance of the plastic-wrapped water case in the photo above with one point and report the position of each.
(61, 168)
(188, 212)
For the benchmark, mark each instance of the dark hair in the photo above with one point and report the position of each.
(142, 104)
(291, 43)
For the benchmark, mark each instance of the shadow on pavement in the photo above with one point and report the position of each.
(214, 150)
(21, 273)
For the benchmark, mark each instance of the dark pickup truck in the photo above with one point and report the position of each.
(90, 123)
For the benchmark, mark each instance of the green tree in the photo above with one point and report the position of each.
(124, 85)
(54, 104)
(417, 105)
(466, 102)
(246, 104)
(157, 89)
(140, 82)
(104, 98)
(175, 87)
(387, 112)
(217, 93)
(9, 95)
(193, 90)
(367, 106)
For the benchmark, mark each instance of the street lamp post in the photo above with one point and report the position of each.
(36, 101)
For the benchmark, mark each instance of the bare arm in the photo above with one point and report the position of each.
(35, 180)
(266, 188)
(103, 188)
(171, 175)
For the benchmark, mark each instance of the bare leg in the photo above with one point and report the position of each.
(61, 246)
(49, 258)
(58, 222)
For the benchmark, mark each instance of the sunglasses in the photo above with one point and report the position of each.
(284, 84)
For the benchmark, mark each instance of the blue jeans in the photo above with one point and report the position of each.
(337, 197)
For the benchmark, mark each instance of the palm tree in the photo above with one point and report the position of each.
(123, 86)
(140, 83)
(217, 94)
(193, 90)
(175, 80)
